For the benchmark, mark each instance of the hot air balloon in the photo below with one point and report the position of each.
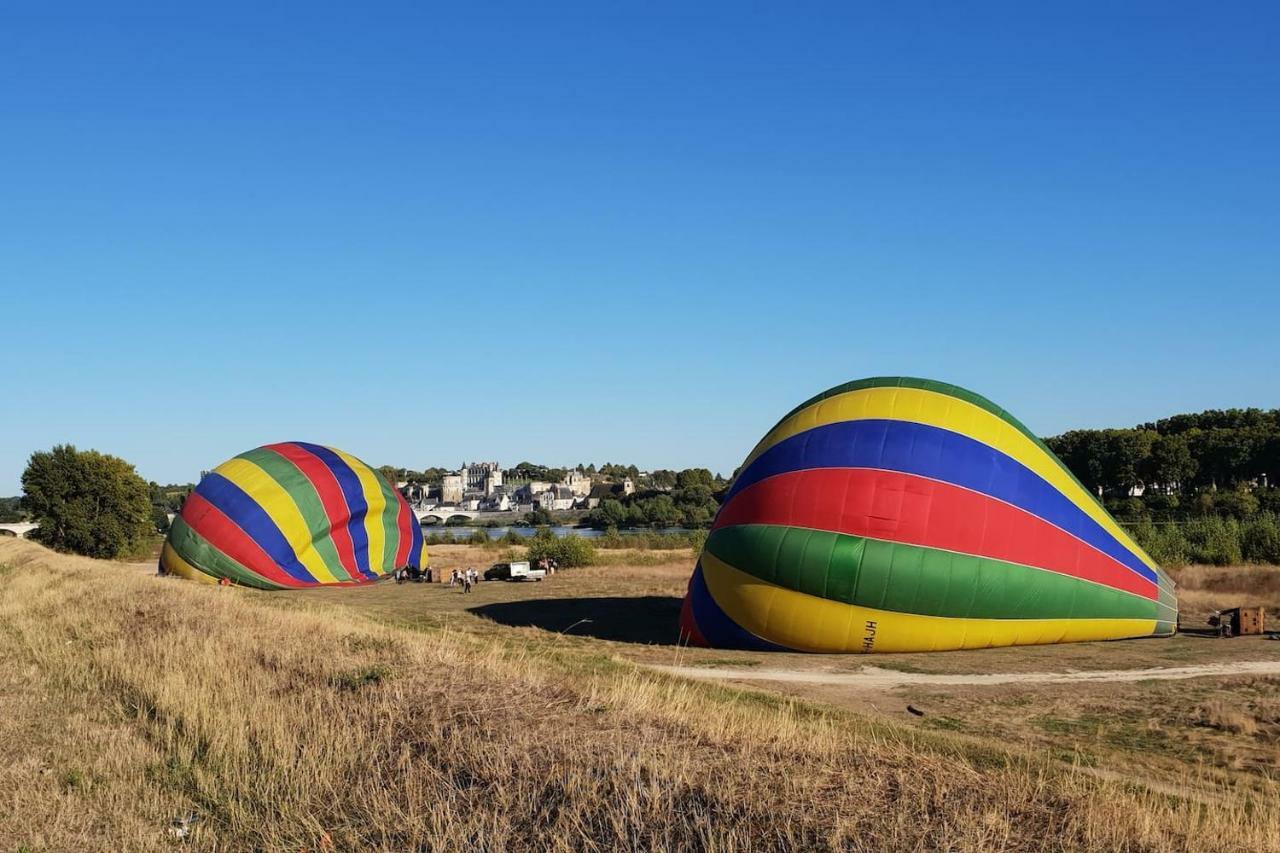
(905, 515)
(293, 515)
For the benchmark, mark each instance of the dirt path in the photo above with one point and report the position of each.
(874, 677)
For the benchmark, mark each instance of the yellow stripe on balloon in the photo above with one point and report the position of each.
(178, 567)
(811, 624)
(916, 405)
(276, 502)
(373, 496)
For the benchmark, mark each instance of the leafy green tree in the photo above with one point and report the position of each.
(1123, 454)
(661, 511)
(87, 502)
(10, 510)
(695, 477)
(160, 518)
(663, 479)
(610, 513)
(539, 517)
(1170, 464)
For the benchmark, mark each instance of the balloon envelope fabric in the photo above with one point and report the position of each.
(902, 515)
(293, 515)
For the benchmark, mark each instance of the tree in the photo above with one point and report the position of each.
(87, 502)
(539, 517)
(695, 477)
(610, 513)
(1170, 464)
(160, 518)
(663, 479)
(1123, 453)
(9, 510)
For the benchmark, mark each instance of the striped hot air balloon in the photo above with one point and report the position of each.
(293, 515)
(903, 515)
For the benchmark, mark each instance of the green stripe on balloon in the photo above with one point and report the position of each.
(197, 551)
(390, 523)
(912, 579)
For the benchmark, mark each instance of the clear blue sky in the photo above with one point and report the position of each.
(634, 233)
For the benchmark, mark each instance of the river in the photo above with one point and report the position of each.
(459, 532)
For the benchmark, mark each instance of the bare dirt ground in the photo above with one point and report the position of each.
(873, 677)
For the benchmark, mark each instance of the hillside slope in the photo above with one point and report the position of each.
(127, 701)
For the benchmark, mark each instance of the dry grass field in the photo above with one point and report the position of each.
(532, 716)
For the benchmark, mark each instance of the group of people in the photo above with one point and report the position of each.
(413, 573)
(467, 577)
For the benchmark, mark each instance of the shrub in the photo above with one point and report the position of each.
(1260, 539)
(567, 551)
(1236, 504)
(1164, 542)
(478, 537)
(1213, 540)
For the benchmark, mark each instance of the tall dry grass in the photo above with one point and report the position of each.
(1204, 589)
(130, 700)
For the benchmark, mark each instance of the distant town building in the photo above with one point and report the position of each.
(476, 474)
(578, 483)
(600, 491)
(451, 489)
(482, 487)
(556, 498)
(415, 493)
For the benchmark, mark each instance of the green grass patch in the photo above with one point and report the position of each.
(358, 679)
(949, 724)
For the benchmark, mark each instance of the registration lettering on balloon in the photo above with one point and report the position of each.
(869, 638)
(927, 515)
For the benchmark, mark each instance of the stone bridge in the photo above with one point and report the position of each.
(441, 515)
(20, 528)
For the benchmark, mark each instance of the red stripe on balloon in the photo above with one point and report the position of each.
(899, 507)
(689, 633)
(331, 498)
(225, 535)
(403, 522)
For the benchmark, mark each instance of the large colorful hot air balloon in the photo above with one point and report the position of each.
(293, 515)
(904, 515)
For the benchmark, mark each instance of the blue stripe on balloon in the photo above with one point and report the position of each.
(415, 546)
(716, 627)
(939, 454)
(250, 517)
(353, 493)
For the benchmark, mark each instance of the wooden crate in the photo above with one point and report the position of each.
(1245, 620)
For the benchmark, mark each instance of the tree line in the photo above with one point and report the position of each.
(1180, 455)
(1193, 488)
(690, 501)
